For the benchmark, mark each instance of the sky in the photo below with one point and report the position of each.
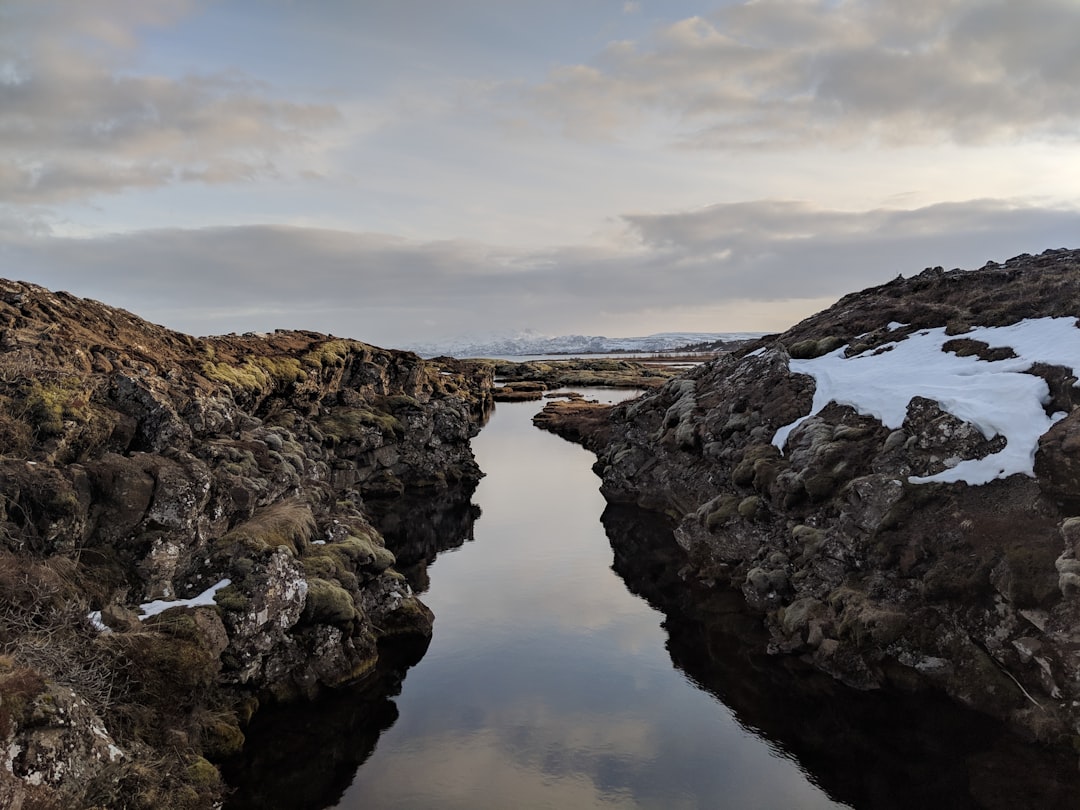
(406, 171)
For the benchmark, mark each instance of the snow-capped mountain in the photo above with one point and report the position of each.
(532, 343)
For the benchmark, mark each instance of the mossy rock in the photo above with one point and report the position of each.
(331, 354)
(751, 507)
(819, 487)
(232, 599)
(44, 407)
(412, 617)
(361, 551)
(810, 349)
(323, 566)
(399, 402)
(247, 378)
(1029, 578)
(810, 539)
(754, 465)
(327, 602)
(221, 739)
(345, 424)
(721, 511)
(765, 471)
(202, 773)
(166, 673)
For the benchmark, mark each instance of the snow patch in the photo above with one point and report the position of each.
(95, 620)
(994, 396)
(204, 599)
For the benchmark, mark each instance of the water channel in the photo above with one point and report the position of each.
(570, 667)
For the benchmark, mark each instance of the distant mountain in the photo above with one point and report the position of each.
(531, 343)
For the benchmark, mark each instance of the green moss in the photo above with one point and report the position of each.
(819, 487)
(399, 402)
(722, 511)
(351, 424)
(221, 738)
(809, 349)
(262, 374)
(202, 773)
(46, 406)
(361, 551)
(323, 566)
(246, 378)
(283, 369)
(330, 354)
(230, 598)
(328, 602)
(757, 468)
(751, 507)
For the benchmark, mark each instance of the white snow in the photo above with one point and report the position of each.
(994, 396)
(95, 621)
(892, 326)
(203, 599)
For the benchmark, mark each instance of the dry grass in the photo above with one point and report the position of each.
(43, 626)
(286, 523)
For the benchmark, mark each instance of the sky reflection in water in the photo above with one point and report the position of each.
(547, 683)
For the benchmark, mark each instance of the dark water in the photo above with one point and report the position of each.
(571, 668)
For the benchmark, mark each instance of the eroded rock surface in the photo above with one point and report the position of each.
(872, 577)
(139, 464)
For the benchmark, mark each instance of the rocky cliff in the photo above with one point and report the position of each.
(185, 532)
(901, 537)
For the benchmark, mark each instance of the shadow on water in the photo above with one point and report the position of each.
(869, 750)
(417, 529)
(303, 756)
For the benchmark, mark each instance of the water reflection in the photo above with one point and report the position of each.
(870, 750)
(303, 756)
(418, 528)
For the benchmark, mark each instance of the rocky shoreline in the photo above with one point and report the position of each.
(858, 563)
(142, 465)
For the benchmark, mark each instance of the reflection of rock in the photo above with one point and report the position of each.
(416, 529)
(881, 749)
(305, 755)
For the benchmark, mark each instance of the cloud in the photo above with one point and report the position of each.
(754, 265)
(807, 73)
(75, 122)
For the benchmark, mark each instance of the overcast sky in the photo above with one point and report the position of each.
(402, 171)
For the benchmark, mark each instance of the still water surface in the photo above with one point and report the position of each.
(547, 683)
